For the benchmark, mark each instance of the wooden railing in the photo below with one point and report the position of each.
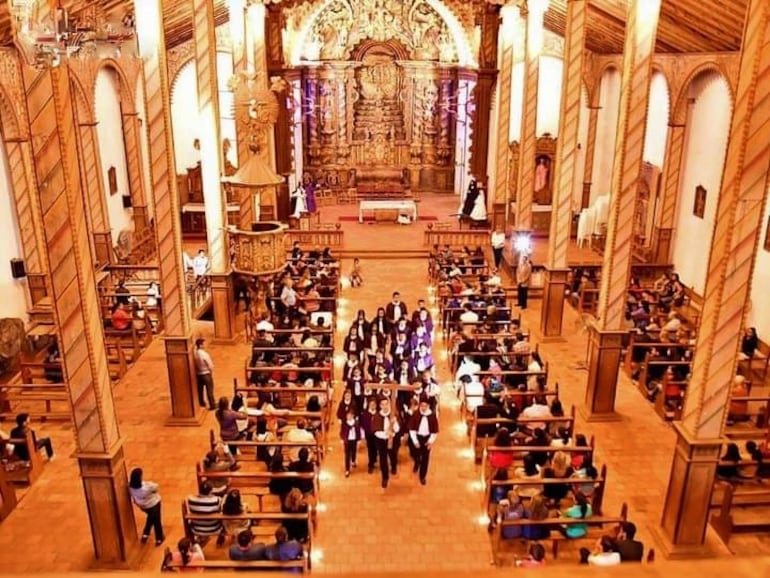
(325, 235)
(456, 237)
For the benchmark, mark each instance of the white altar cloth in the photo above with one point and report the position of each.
(401, 205)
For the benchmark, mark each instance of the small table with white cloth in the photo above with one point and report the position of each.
(400, 205)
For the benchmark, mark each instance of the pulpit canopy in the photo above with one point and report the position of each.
(255, 172)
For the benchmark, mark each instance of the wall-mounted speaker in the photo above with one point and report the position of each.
(18, 270)
(127, 204)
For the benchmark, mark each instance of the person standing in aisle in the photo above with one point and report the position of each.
(386, 429)
(204, 368)
(523, 279)
(145, 495)
(423, 430)
(497, 240)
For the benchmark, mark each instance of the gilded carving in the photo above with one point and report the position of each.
(258, 253)
(341, 26)
(177, 57)
(255, 109)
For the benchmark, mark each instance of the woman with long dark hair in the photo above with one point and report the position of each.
(234, 506)
(228, 423)
(188, 551)
(145, 495)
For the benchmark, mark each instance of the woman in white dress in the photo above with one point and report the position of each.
(479, 212)
(298, 202)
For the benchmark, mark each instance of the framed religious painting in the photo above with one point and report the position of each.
(699, 206)
(112, 179)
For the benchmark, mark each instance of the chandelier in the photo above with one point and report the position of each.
(64, 33)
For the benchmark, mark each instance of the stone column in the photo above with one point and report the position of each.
(641, 26)
(566, 159)
(132, 137)
(211, 168)
(74, 299)
(504, 80)
(728, 287)
(593, 119)
(672, 177)
(532, 13)
(483, 94)
(176, 307)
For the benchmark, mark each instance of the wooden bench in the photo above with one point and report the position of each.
(555, 537)
(35, 371)
(315, 447)
(454, 360)
(263, 524)
(725, 523)
(479, 444)
(507, 393)
(169, 565)
(130, 340)
(46, 393)
(256, 483)
(17, 471)
(511, 375)
(755, 367)
(8, 498)
(757, 422)
(692, 308)
(596, 500)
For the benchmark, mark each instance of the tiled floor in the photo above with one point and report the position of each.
(361, 528)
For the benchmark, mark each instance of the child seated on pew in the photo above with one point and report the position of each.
(536, 557)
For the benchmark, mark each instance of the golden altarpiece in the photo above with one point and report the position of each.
(378, 84)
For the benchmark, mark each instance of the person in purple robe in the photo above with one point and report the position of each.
(310, 197)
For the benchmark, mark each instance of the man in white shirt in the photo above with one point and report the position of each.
(204, 368)
(538, 410)
(423, 431)
(200, 264)
(298, 434)
(497, 240)
(494, 279)
(469, 315)
(289, 296)
(604, 557)
(468, 368)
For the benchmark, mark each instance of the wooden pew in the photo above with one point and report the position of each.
(517, 396)
(263, 524)
(755, 367)
(256, 483)
(479, 445)
(599, 482)
(556, 538)
(316, 447)
(116, 358)
(756, 426)
(17, 471)
(47, 393)
(281, 369)
(130, 340)
(692, 308)
(454, 360)
(8, 498)
(34, 371)
(507, 374)
(725, 523)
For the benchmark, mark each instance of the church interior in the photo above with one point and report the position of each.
(559, 206)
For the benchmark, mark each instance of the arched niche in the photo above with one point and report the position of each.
(112, 149)
(708, 128)
(13, 296)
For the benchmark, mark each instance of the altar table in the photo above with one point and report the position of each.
(400, 205)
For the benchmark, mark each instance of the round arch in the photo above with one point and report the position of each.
(679, 106)
(465, 55)
(126, 94)
(594, 92)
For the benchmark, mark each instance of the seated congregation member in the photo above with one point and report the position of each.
(508, 509)
(732, 456)
(284, 549)
(537, 510)
(20, 450)
(537, 410)
(739, 409)
(233, 505)
(500, 459)
(535, 559)
(120, 318)
(228, 423)
(246, 550)
(303, 465)
(604, 553)
(498, 492)
(205, 502)
(630, 550)
(558, 468)
(294, 503)
(298, 434)
(278, 486)
(53, 372)
(749, 343)
(187, 551)
(529, 472)
(580, 511)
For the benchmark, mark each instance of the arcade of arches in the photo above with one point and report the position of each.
(611, 140)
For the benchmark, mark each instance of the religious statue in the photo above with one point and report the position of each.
(542, 176)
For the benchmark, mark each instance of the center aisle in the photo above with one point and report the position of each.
(364, 528)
